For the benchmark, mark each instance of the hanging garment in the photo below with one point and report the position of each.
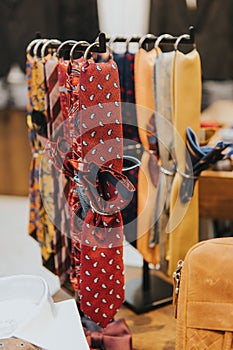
(40, 226)
(149, 169)
(61, 239)
(175, 17)
(68, 77)
(104, 190)
(131, 141)
(29, 64)
(69, 86)
(52, 101)
(67, 244)
(33, 194)
(119, 58)
(198, 159)
(165, 133)
(62, 77)
(183, 221)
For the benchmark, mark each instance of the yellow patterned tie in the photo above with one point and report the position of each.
(43, 182)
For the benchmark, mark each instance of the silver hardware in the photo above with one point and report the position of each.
(186, 176)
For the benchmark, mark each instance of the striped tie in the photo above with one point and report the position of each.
(52, 101)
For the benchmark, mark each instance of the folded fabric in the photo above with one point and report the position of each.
(115, 336)
(27, 312)
(198, 159)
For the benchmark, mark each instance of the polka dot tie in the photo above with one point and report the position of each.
(103, 187)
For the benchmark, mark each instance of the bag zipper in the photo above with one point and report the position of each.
(176, 277)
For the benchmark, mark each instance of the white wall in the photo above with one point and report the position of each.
(124, 17)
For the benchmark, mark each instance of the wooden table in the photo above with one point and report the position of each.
(216, 195)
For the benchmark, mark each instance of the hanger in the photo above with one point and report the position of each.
(31, 44)
(51, 42)
(132, 39)
(100, 46)
(181, 38)
(36, 47)
(65, 43)
(74, 48)
(94, 48)
(146, 39)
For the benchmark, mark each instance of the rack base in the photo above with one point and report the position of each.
(141, 299)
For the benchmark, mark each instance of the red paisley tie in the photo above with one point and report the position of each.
(105, 190)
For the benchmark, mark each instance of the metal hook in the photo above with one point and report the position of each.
(49, 42)
(31, 44)
(74, 47)
(144, 37)
(132, 159)
(63, 44)
(161, 37)
(41, 41)
(178, 40)
(128, 40)
(103, 212)
(113, 39)
(97, 44)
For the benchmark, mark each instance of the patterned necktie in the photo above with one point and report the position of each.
(164, 127)
(40, 182)
(63, 66)
(61, 241)
(32, 228)
(69, 83)
(125, 63)
(52, 102)
(105, 192)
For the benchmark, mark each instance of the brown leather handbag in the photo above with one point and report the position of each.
(204, 290)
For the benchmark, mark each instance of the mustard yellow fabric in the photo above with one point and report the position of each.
(186, 105)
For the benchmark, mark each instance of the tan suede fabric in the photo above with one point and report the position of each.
(205, 301)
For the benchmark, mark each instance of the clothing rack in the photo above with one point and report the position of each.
(152, 38)
(100, 48)
(149, 291)
(102, 41)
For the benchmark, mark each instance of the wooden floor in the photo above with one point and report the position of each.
(153, 330)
